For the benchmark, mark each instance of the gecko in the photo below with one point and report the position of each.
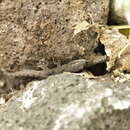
(12, 80)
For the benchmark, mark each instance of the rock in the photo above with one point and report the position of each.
(40, 34)
(69, 102)
(117, 49)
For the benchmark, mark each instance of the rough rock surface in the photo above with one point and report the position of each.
(35, 34)
(117, 48)
(69, 102)
(41, 34)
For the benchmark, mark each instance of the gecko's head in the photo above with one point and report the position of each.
(120, 11)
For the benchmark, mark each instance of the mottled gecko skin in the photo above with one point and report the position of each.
(13, 80)
(73, 66)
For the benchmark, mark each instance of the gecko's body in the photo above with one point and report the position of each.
(12, 80)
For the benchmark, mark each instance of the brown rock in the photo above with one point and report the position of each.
(40, 34)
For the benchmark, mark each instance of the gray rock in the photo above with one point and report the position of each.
(69, 102)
